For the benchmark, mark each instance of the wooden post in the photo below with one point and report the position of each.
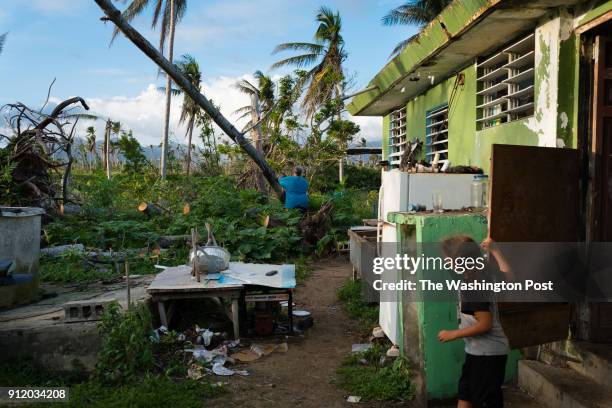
(341, 170)
(127, 283)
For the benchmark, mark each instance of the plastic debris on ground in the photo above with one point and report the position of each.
(358, 348)
(353, 399)
(195, 372)
(393, 351)
(220, 369)
(259, 350)
(157, 333)
(204, 336)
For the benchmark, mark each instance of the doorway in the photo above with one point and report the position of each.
(594, 320)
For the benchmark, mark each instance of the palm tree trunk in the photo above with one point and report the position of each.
(191, 125)
(257, 141)
(107, 148)
(183, 82)
(164, 148)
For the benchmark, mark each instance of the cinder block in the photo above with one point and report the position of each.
(84, 310)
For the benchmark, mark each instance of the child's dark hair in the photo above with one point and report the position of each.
(462, 246)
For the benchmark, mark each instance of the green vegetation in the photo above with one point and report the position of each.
(109, 220)
(126, 350)
(350, 295)
(362, 374)
(132, 370)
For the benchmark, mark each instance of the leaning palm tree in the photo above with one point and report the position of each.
(413, 12)
(324, 81)
(170, 12)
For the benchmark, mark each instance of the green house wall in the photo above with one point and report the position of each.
(555, 98)
(441, 363)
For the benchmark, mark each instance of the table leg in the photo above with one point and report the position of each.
(236, 318)
(162, 313)
(290, 311)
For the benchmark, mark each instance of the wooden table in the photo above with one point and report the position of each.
(176, 283)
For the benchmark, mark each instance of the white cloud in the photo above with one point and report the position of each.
(144, 113)
(370, 127)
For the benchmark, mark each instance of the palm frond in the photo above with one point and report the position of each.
(173, 91)
(401, 45)
(246, 87)
(242, 111)
(299, 61)
(415, 12)
(135, 8)
(312, 48)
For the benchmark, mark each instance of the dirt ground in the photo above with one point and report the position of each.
(304, 375)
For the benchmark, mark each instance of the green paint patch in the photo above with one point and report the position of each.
(361, 374)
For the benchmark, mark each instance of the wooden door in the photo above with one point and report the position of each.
(600, 319)
(534, 198)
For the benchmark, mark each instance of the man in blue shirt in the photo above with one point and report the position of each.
(296, 189)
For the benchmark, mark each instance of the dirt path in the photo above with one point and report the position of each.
(304, 375)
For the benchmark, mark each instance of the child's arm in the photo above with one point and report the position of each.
(489, 245)
(484, 322)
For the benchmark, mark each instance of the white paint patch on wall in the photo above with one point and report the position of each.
(564, 120)
(544, 121)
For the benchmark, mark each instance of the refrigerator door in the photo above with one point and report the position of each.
(389, 315)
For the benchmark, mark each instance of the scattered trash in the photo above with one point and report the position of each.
(220, 369)
(204, 336)
(360, 347)
(208, 355)
(156, 334)
(393, 352)
(378, 333)
(195, 372)
(353, 398)
(258, 350)
(246, 356)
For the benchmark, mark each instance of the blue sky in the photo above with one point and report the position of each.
(64, 39)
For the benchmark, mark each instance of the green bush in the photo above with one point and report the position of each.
(126, 350)
(350, 295)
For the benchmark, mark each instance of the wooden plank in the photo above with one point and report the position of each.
(534, 198)
(534, 194)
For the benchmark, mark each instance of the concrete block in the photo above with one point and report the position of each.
(84, 310)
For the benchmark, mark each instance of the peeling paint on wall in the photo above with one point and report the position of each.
(564, 120)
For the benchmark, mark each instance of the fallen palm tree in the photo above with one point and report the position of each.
(114, 15)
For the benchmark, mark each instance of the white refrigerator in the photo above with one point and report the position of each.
(399, 189)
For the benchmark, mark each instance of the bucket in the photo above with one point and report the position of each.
(20, 244)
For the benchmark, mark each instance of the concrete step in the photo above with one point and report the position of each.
(514, 397)
(559, 387)
(591, 360)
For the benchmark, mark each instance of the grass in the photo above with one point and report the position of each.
(362, 374)
(366, 314)
(148, 391)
